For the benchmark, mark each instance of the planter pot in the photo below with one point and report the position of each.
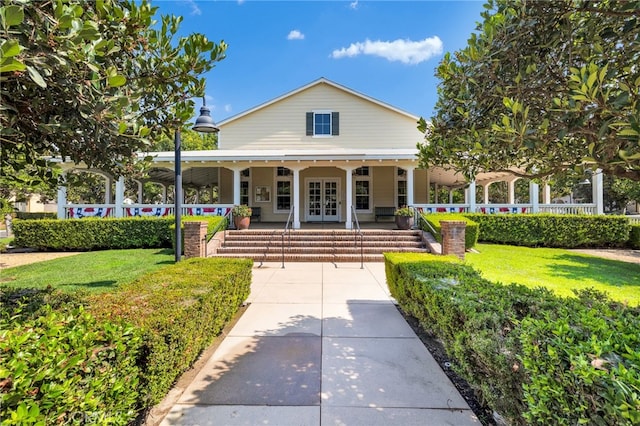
(242, 222)
(404, 222)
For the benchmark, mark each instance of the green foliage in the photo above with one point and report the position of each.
(533, 357)
(65, 367)
(471, 231)
(180, 309)
(93, 234)
(548, 230)
(634, 236)
(404, 211)
(100, 78)
(241, 210)
(541, 86)
(35, 215)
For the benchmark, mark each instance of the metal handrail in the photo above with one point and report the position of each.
(357, 232)
(287, 227)
(426, 222)
(266, 248)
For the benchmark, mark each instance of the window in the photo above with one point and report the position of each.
(244, 186)
(323, 123)
(362, 191)
(401, 187)
(284, 186)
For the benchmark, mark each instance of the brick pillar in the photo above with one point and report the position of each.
(453, 237)
(195, 239)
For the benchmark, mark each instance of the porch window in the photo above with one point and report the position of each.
(363, 199)
(284, 186)
(245, 175)
(323, 123)
(401, 187)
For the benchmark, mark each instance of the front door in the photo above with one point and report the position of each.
(322, 203)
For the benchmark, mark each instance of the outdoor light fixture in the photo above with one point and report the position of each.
(204, 124)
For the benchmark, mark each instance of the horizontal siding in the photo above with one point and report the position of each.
(363, 124)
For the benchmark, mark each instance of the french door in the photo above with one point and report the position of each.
(322, 200)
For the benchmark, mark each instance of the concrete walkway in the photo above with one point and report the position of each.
(321, 345)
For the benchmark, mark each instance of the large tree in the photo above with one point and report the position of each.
(94, 81)
(541, 86)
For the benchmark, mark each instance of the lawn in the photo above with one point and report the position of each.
(558, 270)
(95, 271)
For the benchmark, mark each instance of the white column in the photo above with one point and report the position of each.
(534, 188)
(597, 191)
(164, 193)
(348, 195)
(511, 197)
(428, 187)
(119, 196)
(296, 198)
(485, 196)
(62, 197)
(107, 190)
(410, 185)
(437, 190)
(236, 186)
(450, 196)
(471, 196)
(140, 191)
(546, 194)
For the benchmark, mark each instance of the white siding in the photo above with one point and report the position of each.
(281, 125)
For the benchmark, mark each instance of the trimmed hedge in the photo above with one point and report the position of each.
(64, 367)
(35, 215)
(179, 309)
(101, 233)
(471, 231)
(549, 230)
(634, 236)
(533, 357)
(104, 359)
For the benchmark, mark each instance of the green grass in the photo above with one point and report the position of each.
(558, 270)
(96, 271)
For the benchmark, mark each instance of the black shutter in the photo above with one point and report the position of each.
(335, 123)
(309, 124)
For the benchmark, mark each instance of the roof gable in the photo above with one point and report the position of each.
(317, 82)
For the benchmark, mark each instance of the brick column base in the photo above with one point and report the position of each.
(195, 239)
(453, 232)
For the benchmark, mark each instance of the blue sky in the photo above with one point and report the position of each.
(386, 50)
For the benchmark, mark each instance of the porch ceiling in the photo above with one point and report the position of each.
(195, 176)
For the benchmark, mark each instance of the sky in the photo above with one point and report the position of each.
(387, 50)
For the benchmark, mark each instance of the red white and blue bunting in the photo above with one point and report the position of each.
(147, 211)
(82, 212)
(208, 211)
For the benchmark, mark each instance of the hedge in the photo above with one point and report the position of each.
(549, 230)
(531, 356)
(100, 233)
(105, 359)
(180, 309)
(634, 236)
(471, 230)
(35, 215)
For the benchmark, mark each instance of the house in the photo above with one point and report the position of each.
(322, 153)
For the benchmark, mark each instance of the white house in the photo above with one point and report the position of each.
(320, 152)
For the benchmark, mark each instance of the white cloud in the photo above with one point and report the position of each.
(240, 2)
(354, 4)
(195, 10)
(295, 35)
(228, 108)
(405, 51)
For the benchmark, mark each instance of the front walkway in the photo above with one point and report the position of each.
(321, 345)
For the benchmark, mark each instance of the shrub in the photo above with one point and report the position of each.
(35, 215)
(471, 231)
(180, 309)
(64, 367)
(531, 356)
(549, 230)
(93, 234)
(634, 236)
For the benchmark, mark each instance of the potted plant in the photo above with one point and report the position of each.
(241, 216)
(404, 217)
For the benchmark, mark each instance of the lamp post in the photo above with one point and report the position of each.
(204, 124)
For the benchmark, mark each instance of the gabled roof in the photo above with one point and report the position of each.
(317, 82)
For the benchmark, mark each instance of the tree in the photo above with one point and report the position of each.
(191, 141)
(541, 86)
(94, 81)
